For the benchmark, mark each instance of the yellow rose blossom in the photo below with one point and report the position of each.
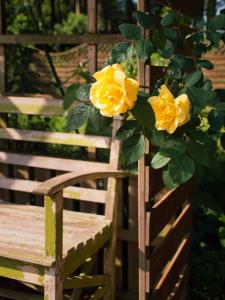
(170, 112)
(112, 92)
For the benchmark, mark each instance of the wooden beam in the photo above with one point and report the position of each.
(143, 184)
(61, 39)
(92, 29)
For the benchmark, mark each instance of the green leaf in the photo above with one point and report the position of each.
(159, 40)
(169, 19)
(145, 21)
(220, 107)
(205, 64)
(215, 119)
(181, 169)
(185, 63)
(198, 153)
(168, 49)
(70, 95)
(77, 116)
(143, 113)
(119, 52)
(133, 148)
(168, 180)
(171, 33)
(159, 160)
(131, 31)
(197, 96)
(128, 129)
(144, 49)
(217, 23)
(83, 92)
(100, 122)
(193, 78)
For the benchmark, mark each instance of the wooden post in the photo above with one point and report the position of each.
(92, 28)
(54, 245)
(143, 179)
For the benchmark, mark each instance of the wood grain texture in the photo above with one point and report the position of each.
(55, 138)
(52, 163)
(61, 39)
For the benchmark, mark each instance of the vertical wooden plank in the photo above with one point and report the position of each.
(53, 245)
(133, 225)
(41, 175)
(111, 209)
(92, 28)
(4, 170)
(21, 172)
(142, 192)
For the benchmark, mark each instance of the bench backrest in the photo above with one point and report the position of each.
(44, 106)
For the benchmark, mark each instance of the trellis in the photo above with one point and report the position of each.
(157, 257)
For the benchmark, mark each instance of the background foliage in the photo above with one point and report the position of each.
(53, 17)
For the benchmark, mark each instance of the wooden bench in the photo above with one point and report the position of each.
(48, 247)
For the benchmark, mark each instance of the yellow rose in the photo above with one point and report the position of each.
(170, 112)
(112, 92)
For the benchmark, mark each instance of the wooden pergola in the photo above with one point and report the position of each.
(160, 217)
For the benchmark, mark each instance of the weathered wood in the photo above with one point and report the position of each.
(55, 138)
(85, 281)
(165, 209)
(7, 39)
(179, 290)
(171, 275)
(52, 163)
(10, 294)
(111, 206)
(19, 270)
(163, 253)
(22, 233)
(79, 193)
(133, 225)
(60, 182)
(31, 105)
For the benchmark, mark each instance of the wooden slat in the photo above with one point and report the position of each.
(133, 225)
(61, 39)
(163, 253)
(181, 286)
(85, 194)
(171, 275)
(55, 138)
(31, 105)
(52, 163)
(165, 209)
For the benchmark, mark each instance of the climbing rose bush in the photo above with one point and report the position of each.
(112, 93)
(170, 112)
(181, 114)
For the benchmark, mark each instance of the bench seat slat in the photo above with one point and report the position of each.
(22, 231)
(79, 193)
(52, 163)
(55, 138)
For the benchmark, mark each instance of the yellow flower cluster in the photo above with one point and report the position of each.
(170, 112)
(112, 92)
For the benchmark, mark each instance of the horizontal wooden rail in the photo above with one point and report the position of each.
(31, 105)
(171, 275)
(163, 253)
(52, 163)
(79, 193)
(61, 39)
(55, 138)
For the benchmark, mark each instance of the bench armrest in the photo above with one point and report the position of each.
(60, 182)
